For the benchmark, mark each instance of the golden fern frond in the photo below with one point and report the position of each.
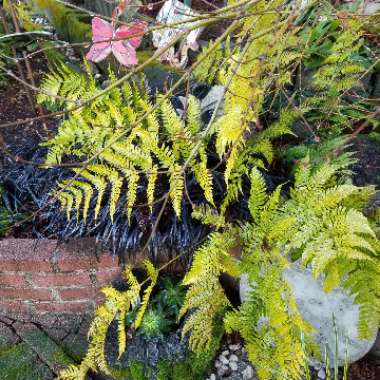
(152, 178)
(72, 372)
(208, 216)
(67, 200)
(134, 286)
(171, 121)
(193, 115)
(123, 307)
(132, 192)
(153, 277)
(205, 297)
(204, 176)
(100, 185)
(177, 183)
(229, 129)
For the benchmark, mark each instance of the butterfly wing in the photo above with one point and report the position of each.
(99, 51)
(101, 30)
(124, 53)
(125, 31)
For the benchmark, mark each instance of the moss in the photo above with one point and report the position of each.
(194, 368)
(19, 362)
(135, 371)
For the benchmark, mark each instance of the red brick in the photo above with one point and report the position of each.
(104, 277)
(12, 308)
(100, 298)
(25, 294)
(61, 279)
(64, 307)
(68, 264)
(77, 263)
(27, 249)
(12, 279)
(24, 265)
(26, 254)
(74, 294)
(108, 260)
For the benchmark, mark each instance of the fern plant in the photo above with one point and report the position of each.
(335, 58)
(135, 143)
(319, 225)
(128, 139)
(117, 304)
(152, 148)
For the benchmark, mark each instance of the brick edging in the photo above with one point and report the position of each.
(43, 277)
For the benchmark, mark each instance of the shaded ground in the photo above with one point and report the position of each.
(31, 351)
(14, 106)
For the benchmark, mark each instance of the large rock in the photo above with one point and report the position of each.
(371, 7)
(320, 309)
(213, 99)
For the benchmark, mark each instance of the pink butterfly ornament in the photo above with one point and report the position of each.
(122, 47)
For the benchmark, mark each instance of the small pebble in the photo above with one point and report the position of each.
(225, 353)
(233, 358)
(248, 373)
(317, 366)
(222, 370)
(218, 364)
(322, 374)
(233, 366)
(235, 347)
(223, 359)
(212, 376)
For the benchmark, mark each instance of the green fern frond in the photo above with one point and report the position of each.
(208, 216)
(193, 115)
(258, 194)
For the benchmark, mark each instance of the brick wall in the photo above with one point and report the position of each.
(41, 277)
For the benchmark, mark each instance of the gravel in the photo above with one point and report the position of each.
(232, 364)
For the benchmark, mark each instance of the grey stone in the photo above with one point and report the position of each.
(212, 376)
(371, 7)
(248, 373)
(214, 98)
(218, 364)
(233, 366)
(321, 373)
(317, 365)
(333, 315)
(233, 358)
(223, 359)
(222, 370)
(235, 347)
(7, 336)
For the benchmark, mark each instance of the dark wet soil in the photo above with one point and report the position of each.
(14, 106)
(366, 369)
